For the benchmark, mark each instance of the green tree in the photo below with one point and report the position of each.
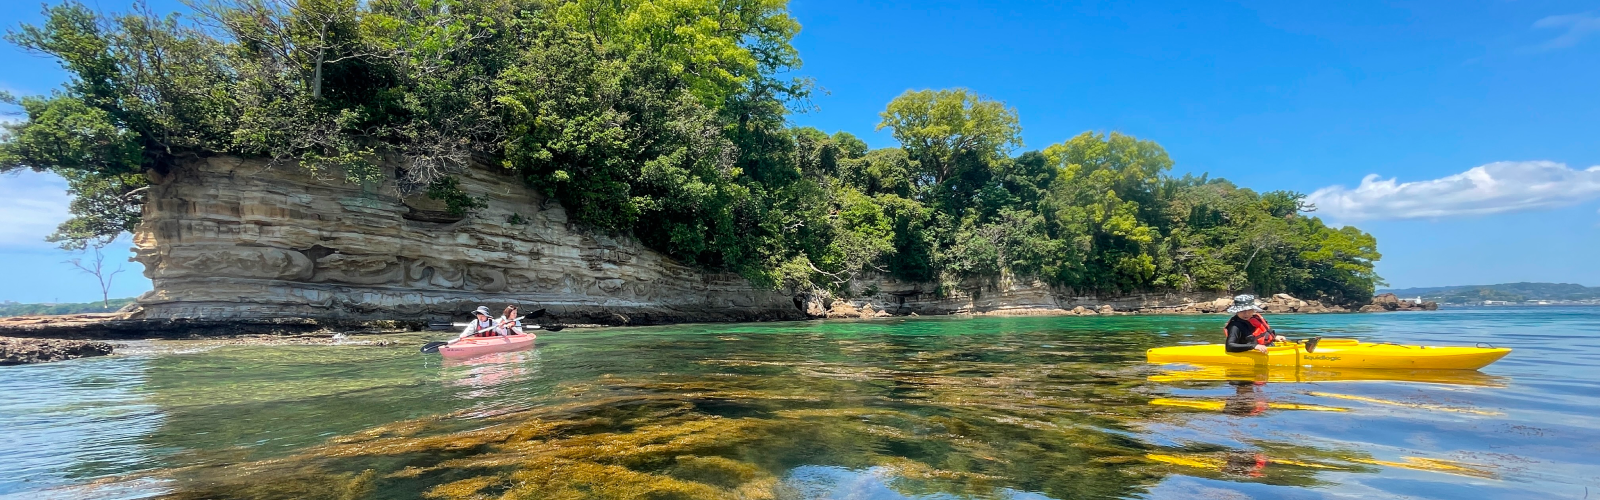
(949, 131)
(1102, 205)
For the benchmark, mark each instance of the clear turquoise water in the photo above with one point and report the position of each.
(1048, 407)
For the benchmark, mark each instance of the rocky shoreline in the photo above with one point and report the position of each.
(1278, 303)
(37, 339)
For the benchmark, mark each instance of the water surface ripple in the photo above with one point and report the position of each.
(928, 408)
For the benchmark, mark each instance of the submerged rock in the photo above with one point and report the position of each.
(19, 351)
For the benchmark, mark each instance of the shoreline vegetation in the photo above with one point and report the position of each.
(667, 122)
(11, 309)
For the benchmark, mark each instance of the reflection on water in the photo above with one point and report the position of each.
(1284, 374)
(492, 379)
(979, 408)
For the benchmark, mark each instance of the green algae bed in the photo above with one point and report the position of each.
(922, 408)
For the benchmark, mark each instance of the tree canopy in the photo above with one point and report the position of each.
(664, 120)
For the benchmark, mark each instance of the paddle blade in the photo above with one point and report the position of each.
(432, 347)
(1311, 345)
(535, 314)
(554, 328)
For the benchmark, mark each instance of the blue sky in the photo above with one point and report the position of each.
(1479, 118)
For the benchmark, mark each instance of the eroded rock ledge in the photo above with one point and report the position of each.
(225, 238)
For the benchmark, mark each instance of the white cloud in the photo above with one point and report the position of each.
(1578, 26)
(1506, 186)
(31, 206)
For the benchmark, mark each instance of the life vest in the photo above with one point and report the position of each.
(1261, 335)
(481, 325)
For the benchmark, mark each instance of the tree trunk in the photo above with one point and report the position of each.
(316, 73)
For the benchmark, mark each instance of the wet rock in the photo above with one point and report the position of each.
(17, 351)
(1106, 309)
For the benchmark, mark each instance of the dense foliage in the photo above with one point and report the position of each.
(661, 119)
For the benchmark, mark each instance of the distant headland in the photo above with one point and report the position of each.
(1504, 294)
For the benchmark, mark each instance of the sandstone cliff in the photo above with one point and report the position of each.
(231, 238)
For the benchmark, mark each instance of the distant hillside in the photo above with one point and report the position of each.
(1510, 292)
(15, 309)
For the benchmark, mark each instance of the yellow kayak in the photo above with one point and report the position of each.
(1337, 353)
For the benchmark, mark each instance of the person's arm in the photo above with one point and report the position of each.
(1274, 333)
(471, 329)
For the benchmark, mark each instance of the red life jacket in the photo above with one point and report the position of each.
(1260, 335)
(476, 325)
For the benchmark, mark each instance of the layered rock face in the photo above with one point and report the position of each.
(230, 238)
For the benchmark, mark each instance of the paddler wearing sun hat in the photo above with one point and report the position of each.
(481, 325)
(1247, 329)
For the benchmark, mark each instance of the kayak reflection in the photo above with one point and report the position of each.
(1248, 400)
(484, 374)
(1302, 374)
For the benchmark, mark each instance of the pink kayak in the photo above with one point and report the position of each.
(473, 346)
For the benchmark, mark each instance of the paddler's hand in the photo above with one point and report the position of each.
(1261, 348)
(1281, 338)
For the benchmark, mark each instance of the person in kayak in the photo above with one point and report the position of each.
(482, 326)
(508, 324)
(1247, 329)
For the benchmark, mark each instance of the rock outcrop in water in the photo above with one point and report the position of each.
(231, 238)
(1389, 302)
(18, 351)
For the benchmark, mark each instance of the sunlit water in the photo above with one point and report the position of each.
(1027, 408)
